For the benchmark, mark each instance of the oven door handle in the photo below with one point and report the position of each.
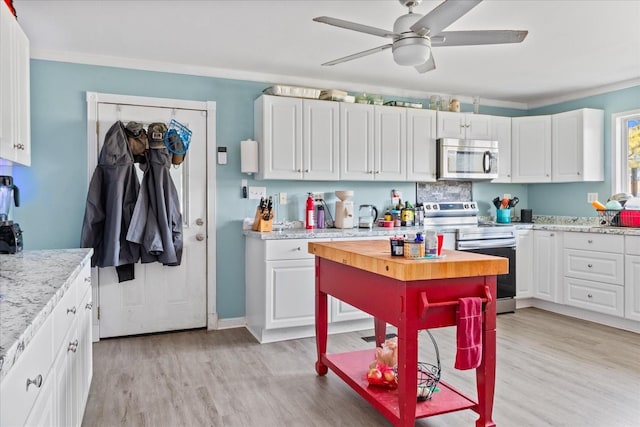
(485, 244)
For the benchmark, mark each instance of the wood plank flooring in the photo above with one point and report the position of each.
(552, 370)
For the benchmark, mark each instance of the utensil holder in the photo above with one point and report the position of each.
(503, 216)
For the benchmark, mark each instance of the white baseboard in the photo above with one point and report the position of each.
(232, 322)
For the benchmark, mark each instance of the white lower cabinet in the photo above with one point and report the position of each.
(280, 292)
(524, 263)
(632, 278)
(546, 266)
(594, 272)
(49, 385)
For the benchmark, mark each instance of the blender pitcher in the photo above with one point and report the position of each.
(7, 187)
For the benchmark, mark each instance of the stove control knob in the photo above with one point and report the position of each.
(466, 205)
(473, 205)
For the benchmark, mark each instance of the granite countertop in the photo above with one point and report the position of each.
(31, 284)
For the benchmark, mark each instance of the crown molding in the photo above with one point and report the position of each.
(585, 93)
(224, 73)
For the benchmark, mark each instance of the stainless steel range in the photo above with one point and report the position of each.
(489, 239)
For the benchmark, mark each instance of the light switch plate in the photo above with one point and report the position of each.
(257, 192)
(283, 198)
(592, 197)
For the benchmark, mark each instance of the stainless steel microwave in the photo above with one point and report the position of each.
(466, 159)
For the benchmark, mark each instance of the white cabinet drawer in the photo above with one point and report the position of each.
(17, 391)
(594, 296)
(288, 249)
(632, 245)
(598, 266)
(65, 313)
(594, 242)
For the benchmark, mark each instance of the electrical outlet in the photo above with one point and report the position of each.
(282, 198)
(257, 192)
(592, 197)
(317, 196)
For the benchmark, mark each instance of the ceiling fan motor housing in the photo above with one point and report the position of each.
(410, 48)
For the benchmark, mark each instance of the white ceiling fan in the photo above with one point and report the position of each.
(413, 34)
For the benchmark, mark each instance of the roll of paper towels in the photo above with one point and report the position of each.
(249, 156)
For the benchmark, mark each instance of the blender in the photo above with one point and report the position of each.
(10, 233)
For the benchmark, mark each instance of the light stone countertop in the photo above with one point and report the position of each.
(31, 284)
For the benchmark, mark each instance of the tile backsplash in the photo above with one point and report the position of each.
(443, 191)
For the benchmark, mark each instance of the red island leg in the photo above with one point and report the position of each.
(321, 323)
(486, 372)
(407, 374)
(380, 330)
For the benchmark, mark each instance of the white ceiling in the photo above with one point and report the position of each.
(572, 46)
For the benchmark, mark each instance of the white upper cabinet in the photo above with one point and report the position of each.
(501, 132)
(531, 149)
(15, 122)
(463, 125)
(421, 145)
(578, 146)
(373, 143)
(298, 138)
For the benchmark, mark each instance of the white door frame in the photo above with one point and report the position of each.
(93, 98)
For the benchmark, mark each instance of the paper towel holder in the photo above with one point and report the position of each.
(249, 156)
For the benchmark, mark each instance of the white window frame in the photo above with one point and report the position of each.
(619, 149)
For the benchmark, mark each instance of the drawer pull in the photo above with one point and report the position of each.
(73, 346)
(87, 279)
(589, 241)
(589, 296)
(589, 265)
(71, 310)
(298, 248)
(37, 381)
(88, 306)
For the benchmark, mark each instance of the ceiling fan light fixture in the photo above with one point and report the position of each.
(411, 51)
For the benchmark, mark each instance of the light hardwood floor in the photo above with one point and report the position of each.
(552, 370)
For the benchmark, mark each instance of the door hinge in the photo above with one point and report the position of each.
(98, 312)
(97, 127)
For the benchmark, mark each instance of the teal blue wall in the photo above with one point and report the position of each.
(53, 189)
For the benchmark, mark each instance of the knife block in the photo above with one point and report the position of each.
(260, 224)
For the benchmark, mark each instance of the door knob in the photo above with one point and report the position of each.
(199, 221)
(199, 237)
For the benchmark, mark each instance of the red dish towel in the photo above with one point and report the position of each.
(469, 334)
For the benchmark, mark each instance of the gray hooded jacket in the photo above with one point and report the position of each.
(111, 199)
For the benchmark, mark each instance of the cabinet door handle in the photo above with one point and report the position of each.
(306, 171)
(37, 381)
(199, 221)
(589, 265)
(87, 279)
(88, 306)
(71, 310)
(589, 241)
(199, 237)
(299, 170)
(73, 346)
(298, 248)
(589, 296)
(19, 146)
(551, 234)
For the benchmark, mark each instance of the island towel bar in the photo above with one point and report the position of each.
(424, 304)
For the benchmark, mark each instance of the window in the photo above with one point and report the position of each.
(626, 152)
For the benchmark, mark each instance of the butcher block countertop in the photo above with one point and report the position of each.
(375, 256)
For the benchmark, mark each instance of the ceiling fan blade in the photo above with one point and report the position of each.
(355, 26)
(468, 38)
(442, 16)
(358, 55)
(427, 66)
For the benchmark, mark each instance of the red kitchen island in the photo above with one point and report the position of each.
(412, 295)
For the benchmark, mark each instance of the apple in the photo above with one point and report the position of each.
(389, 376)
(374, 374)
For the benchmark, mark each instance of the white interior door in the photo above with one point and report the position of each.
(162, 298)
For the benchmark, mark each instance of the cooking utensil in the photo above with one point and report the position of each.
(496, 202)
(513, 202)
(504, 204)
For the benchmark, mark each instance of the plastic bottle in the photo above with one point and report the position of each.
(309, 218)
(320, 216)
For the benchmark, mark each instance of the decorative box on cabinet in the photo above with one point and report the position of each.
(15, 123)
(373, 143)
(632, 278)
(531, 149)
(577, 146)
(298, 138)
(594, 272)
(463, 125)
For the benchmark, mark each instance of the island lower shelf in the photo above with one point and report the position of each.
(351, 368)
